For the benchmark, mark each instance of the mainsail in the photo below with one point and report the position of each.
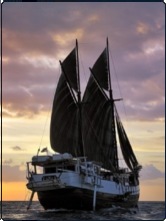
(99, 120)
(99, 126)
(65, 135)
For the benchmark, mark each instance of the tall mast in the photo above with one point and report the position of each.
(112, 109)
(79, 100)
(78, 73)
(109, 75)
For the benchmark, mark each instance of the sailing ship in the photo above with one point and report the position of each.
(84, 173)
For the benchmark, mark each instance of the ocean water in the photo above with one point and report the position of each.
(17, 210)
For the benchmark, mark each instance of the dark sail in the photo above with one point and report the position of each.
(97, 126)
(125, 145)
(65, 119)
(101, 70)
(99, 110)
(70, 68)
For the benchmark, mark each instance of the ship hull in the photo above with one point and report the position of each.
(82, 199)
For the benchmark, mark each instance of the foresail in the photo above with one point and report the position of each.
(65, 119)
(97, 126)
(125, 145)
(70, 69)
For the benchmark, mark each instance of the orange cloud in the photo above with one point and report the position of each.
(142, 28)
(68, 37)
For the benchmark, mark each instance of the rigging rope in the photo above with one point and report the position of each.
(49, 112)
(20, 204)
(119, 151)
(118, 85)
(43, 131)
(86, 80)
(117, 81)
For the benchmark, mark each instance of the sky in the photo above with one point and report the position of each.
(36, 36)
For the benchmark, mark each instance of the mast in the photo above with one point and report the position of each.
(78, 73)
(112, 108)
(109, 75)
(99, 122)
(79, 101)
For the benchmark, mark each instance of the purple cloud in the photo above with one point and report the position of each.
(32, 47)
(150, 172)
(12, 173)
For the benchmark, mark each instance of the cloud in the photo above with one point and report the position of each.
(33, 46)
(22, 167)
(12, 173)
(17, 148)
(150, 172)
(8, 162)
(145, 100)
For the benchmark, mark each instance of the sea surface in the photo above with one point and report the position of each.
(17, 210)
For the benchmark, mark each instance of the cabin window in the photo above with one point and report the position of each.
(70, 167)
(50, 170)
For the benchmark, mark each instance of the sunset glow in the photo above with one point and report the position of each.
(39, 36)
